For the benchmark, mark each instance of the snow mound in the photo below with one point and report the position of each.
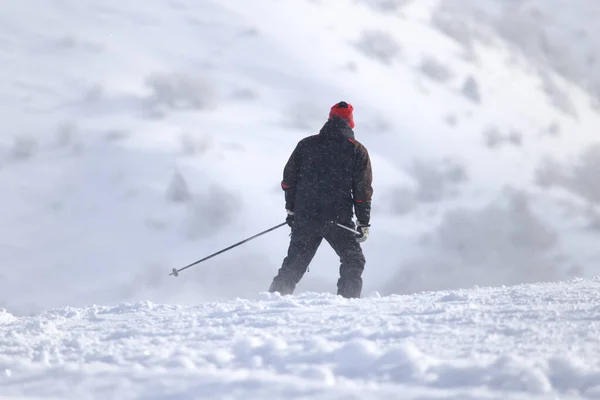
(522, 342)
(6, 317)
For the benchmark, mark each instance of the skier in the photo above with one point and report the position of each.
(327, 180)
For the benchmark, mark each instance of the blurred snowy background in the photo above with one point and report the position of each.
(140, 136)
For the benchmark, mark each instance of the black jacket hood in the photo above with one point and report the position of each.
(336, 127)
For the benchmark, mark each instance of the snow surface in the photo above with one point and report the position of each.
(525, 342)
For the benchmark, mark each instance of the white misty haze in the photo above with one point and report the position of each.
(138, 137)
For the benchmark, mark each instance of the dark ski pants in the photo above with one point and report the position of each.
(304, 242)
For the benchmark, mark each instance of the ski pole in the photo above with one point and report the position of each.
(349, 229)
(176, 271)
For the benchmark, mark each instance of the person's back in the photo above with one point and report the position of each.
(325, 174)
(326, 180)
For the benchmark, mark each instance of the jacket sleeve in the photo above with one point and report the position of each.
(290, 178)
(362, 185)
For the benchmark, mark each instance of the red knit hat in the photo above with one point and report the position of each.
(343, 110)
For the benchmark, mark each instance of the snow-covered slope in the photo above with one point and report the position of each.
(524, 342)
(140, 136)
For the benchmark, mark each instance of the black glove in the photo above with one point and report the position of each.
(290, 218)
(364, 232)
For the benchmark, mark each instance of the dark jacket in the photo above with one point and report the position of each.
(328, 177)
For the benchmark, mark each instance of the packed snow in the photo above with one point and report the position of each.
(526, 342)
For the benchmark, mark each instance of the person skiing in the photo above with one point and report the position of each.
(327, 179)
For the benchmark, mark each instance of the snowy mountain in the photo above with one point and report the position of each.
(142, 136)
(523, 342)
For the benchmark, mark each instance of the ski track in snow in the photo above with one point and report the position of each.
(523, 342)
